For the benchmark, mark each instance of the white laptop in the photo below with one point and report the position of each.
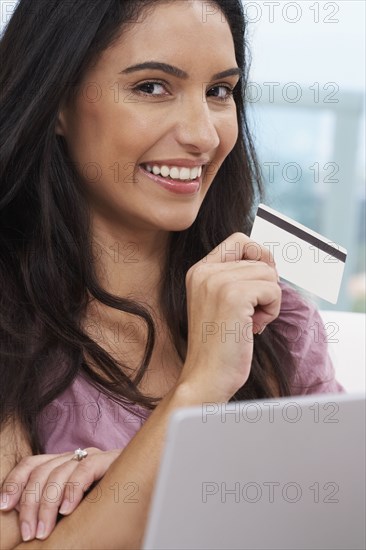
(286, 473)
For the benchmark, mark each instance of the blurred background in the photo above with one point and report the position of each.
(307, 112)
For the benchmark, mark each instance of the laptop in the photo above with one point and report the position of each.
(285, 473)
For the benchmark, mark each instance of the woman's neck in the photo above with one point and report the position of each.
(129, 263)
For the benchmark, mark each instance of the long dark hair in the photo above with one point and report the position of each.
(47, 270)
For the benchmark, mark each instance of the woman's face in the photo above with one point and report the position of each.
(125, 121)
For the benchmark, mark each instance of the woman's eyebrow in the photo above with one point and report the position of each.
(170, 69)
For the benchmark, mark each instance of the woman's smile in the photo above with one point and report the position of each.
(180, 176)
(173, 182)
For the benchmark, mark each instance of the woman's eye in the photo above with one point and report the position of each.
(222, 92)
(148, 88)
(158, 89)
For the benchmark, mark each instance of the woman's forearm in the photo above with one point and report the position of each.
(114, 514)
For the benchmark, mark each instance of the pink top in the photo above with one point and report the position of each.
(84, 417)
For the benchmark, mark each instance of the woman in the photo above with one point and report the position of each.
(127, 185)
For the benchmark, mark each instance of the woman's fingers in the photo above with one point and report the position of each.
(268, 306)
(255, 252)
(81, 479)
(16, 481)
(38, 489)
(236, 247)
(74, 485)
(252, 270)
(62, 487)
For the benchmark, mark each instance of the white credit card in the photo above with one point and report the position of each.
(302, 256)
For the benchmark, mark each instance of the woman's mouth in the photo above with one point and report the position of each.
(181, 180)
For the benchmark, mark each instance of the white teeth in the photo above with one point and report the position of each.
(194, 172)
(164, 171)
(185, 174)
(175, 172)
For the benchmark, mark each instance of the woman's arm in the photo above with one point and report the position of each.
(109, 517)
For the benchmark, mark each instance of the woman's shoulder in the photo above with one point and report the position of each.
(296, 311)
(302, 328)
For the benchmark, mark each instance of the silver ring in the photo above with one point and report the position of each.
(79, 454)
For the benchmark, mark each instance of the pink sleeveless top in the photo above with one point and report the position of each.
(84, 417)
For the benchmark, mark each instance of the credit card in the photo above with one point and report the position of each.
(303, 257)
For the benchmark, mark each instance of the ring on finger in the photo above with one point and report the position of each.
(79, 454)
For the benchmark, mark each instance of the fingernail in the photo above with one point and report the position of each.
(65, 507)
(25, 530)
(4, 501)
(262, 329)
(41, 529)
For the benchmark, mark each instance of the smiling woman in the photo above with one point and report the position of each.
(129, 286)
(168, 116)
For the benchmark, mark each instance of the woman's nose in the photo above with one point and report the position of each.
(196, 125)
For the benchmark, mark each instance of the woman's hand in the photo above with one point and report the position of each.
(232, 293)
(42, 486)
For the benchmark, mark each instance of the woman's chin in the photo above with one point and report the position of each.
(178, 225)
